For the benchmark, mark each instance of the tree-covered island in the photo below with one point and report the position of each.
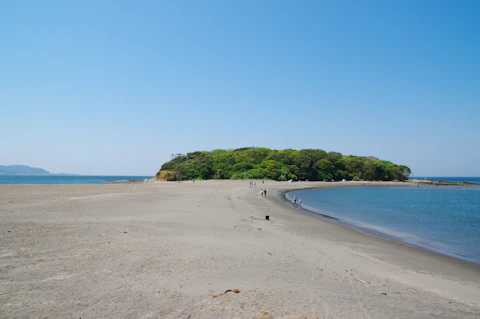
(264, 163)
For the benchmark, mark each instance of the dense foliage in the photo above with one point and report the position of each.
(263, 163)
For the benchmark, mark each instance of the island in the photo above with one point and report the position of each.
(279, 165)
(24, 170)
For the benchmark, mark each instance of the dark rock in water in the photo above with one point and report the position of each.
(446, 183)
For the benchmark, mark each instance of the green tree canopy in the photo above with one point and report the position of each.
(259, 163)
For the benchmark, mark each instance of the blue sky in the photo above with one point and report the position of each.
(115, 87)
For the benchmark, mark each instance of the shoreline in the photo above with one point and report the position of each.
(282, 196)
(162, 249)
(393, 247)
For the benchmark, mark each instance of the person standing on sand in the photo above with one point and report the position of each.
(265, 193)
(261, 192)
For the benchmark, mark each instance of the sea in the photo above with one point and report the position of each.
(66, 179)
(444, 219)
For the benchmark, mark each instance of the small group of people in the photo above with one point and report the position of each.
(263, 193)
(253, 183)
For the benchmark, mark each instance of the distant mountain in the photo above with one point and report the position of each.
(22, 170)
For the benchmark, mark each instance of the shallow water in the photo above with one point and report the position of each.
(443, 219)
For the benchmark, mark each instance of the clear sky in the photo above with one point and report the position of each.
(115, 87)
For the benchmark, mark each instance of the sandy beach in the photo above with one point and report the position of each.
(163, 249)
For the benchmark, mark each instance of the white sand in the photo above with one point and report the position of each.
(161, 250)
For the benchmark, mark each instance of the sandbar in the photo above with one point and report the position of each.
(163, 249)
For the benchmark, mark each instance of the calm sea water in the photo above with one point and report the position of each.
(55, 179)
(442, 219)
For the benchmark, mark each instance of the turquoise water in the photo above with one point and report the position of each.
(442, 219)
(60, 179)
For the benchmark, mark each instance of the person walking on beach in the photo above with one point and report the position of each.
(294, 199)
(261, 192)
(265, 193)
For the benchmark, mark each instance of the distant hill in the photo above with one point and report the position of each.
(22, 170)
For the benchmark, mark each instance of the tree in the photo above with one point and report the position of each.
(324, 169)
(273, 169)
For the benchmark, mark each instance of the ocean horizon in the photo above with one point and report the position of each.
(67, 179)
(444, 219)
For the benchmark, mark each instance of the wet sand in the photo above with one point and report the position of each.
(161, 250)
